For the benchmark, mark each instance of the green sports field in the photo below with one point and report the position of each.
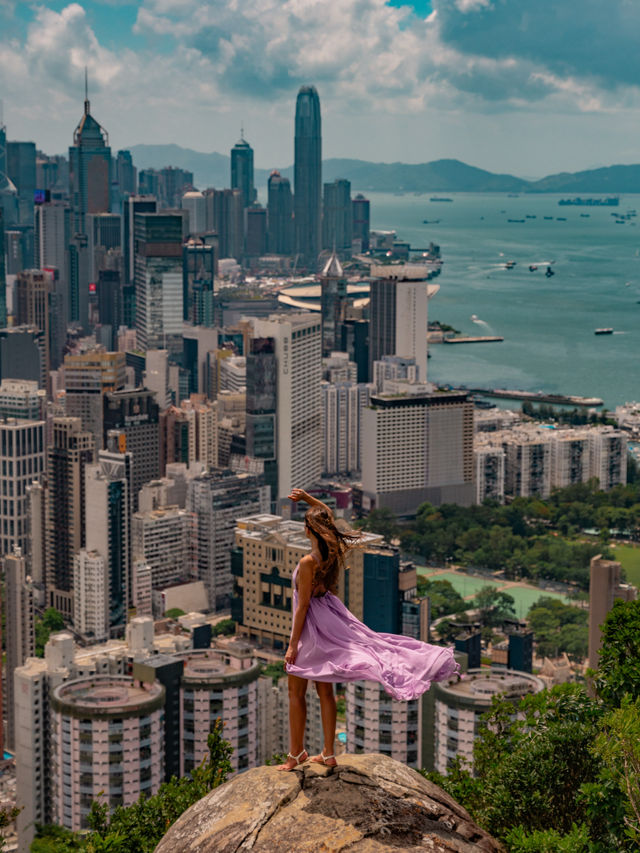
(629, 556)
(468, 585)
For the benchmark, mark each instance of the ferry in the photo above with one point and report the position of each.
(509, 265)
(439, 198)
(604, 331)
(533, 267)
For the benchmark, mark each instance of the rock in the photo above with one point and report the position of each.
(367, 804)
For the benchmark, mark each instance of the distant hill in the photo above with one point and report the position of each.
(213, 170)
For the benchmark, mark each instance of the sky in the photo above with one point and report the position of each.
(529, 87)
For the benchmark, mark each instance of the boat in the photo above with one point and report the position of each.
(530, 216)
(547, 217)
(533, 267)
(430, 221)
(604, 331)
(439, 198)
(549, 272)
(561, 218)
(585, 215)
(509, 265)
(610, 201)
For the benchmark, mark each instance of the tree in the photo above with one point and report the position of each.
(559, 628)
(619, 664)
(225, 627)
(493, 605)
(50, 621)
(174, 613)
(382, 521)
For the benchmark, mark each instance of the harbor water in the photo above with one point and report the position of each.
(548, 323)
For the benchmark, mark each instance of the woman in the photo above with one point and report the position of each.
(328, 644)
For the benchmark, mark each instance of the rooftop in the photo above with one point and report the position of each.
(106, 695)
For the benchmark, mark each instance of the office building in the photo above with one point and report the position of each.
(79, 279)
(199, 264)
(354, 340)
(87, 378)
(110, 305)
(193, 202)
(89, 170)
(469, 642)
(268, 549)
(22, 457)
(217, 499)
(343, 403)
(33, 306)
(108, 519)
(452, 711)
(91, 595)
(133, 205)
(605, 587)
(22, 400)
(173, 182)
(337, 217)
(18, 631)
(233, 374)
(256, 242)
(3, 277)
(21, 170)
(125, 175)
(52, 235)
(104, 239)
(242, 171)
(156, 376)
(163, 540)
(399, 311)
(361, 223)
(261, 406)
(135, 415)
(225, 216)
(298, 350)
(177, 437)
(118, 725)
(280, 238)
(23, 354)
(333, 304)
(70, 451)
(158, 281)
(417, 449)
(308, 176)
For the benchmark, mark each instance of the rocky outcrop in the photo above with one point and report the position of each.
(367, 804)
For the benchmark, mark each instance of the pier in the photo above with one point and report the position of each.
(539, 397)
(478, 339)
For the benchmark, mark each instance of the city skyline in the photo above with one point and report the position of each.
(490, 85)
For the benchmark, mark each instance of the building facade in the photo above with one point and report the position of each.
(308, 176)
(22, 460)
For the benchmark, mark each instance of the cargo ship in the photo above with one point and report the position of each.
(610, 201)
(606, 331)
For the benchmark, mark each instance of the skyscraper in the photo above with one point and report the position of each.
(134, 204)
(158, 278)
(199, 262)
(308, 175)
(337, 217)
(69, 453)
(21, 168)
(33, 289)
(333, 303)
(18, 631)
(89, 170)
(126, 174)
(605, 587)
(298, 349)
(361, 221)
(280, 215)
(22, 454)
(262, 403)
(87, 378)
(242, 170)
(3, 280)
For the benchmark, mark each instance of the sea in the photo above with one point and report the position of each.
(548, 323)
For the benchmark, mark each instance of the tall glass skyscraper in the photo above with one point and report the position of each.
(280, 215)
(308, 176)
(242, 171)
(89, 170)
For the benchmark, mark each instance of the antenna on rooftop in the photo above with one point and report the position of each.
(86, 90)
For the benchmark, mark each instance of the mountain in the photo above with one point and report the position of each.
(608, 179)
(213, 170)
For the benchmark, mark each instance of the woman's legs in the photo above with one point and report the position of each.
(328, 713)
(297, 719)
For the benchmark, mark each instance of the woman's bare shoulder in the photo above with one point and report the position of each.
(307, 564)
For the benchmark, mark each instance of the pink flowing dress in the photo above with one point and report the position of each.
(335, 646)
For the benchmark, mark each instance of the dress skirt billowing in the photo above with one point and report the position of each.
(335, 646)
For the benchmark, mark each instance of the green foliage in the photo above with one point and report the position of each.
(619, 665)
(493, 606)
(443, 597)
(275, 670)
(174, 613)
(50, 621)
(382, 521)
(225, 627)
(276, 758)
(7, 817)
(559, 628)
(573, 417)
(55, 839)
(139, 828)
(549, 841)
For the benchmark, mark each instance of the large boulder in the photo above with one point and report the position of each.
(368, 803)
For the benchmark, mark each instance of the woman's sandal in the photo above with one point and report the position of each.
(295, 758)
(322, 759)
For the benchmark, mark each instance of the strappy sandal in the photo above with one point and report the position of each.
(295, 758)
(324, 758)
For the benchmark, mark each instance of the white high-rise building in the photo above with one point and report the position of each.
(342, 407)
(20, 398)
(609, 458)
(417, 448)
(163, 539)
(91, 595)
(399, 313)
(489, 465)
(298, 346)
(52, 235)
(194, 202)
(22, 460)
(18, 630)
(156, 375)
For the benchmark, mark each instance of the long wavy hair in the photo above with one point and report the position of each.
(333, 544)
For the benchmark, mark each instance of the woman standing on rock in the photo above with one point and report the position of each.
(328, 644)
